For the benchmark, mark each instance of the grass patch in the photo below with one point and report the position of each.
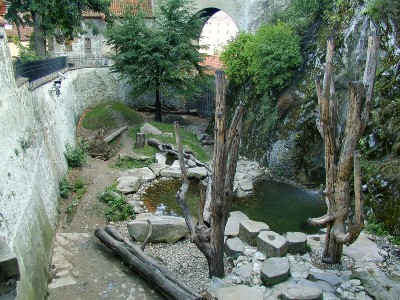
(127, 163)
(188, 139)
(102, 116)
(78, 187)
(375, 227)
(118, 207)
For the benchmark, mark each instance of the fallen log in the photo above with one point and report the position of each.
(157, 275)
(168, 110)
(113, 135)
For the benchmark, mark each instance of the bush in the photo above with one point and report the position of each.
(118, 208)
(65, 188)
(75, 155)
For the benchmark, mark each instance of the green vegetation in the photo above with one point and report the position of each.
(129, 163)
(162, 57)
(102, 116)
(64, 187)
(75, 155)
(76, 185)
(118, 208)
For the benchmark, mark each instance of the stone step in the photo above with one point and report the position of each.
(297, 242)
(249, 230)
(275, 270)
(272, 244)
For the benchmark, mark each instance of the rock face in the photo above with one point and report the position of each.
(165, 228)
(249, 230)
(197, 173)
(232, 226)
(297, 242)
(272, 244)
(147, 128)
(239, 292)
(275, 270)
(129, 184)
(234, 247)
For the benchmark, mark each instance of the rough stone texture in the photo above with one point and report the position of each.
(249, 230)
(255, 174)
(165, 228)
(331, 278)
(302, 293)
(170, 172)
(197, 173)
(272, 244)
(239, 292)
(8, 262)
(274, 270)
(245, 272)
(234, 247)
(129, 184)
(297, 242)
(232, 226)
(363, 249)
(246, 185)
(160, 158)
(156, 168)
(150, 129)
(145, 174)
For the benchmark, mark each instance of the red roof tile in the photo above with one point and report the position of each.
(25, 32)
(213, 63)
(118, 7)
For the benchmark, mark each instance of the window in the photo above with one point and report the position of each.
(50, 43)
(68, 45)
(88, 45)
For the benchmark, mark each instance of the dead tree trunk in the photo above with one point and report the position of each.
(210, 238)
(343, 222)
(140, 140)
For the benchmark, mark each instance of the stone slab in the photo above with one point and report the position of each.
(234, 247)
(129, 184)
(239, 292)
(166, 229)
(232, 226)
(197, 173)
(363, 249)
(302, 293)
(246, 185)
(156, 168)
(160, 158)
(297, 242)
(145, 174)
(272, 244)
(170, 172)
(148, 128)
(274, 270)
(249, 230)
(330, 278)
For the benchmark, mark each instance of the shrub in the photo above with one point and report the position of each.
(118, 208)
(65, 188)
(75, 155)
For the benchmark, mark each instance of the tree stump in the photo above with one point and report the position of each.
(140, 139)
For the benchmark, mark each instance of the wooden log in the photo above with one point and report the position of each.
(169, 110)
(140, 139)
(113, 135)
(145, 266)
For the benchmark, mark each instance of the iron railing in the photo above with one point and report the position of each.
(41, 68)
(204, 102)
(88, 62)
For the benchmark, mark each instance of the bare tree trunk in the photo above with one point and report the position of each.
(209, 237)
(39, 37)
(158, 116)
(342, 226)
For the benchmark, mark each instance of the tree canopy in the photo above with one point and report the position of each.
(161, 56)
(59, 18)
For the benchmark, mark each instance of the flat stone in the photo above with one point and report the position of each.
(156, 168)
(239, 292)
(274, 270)
(171, 172)
(129, 184)
(249, 230)
(302, 293)
(297, 242)
(145, 174)
(232, 226)
(165, 228)
(234, 247)
(331, 278)
(147, 128)
(160, 158)
(363, 249)
(246, 185)
(245, 272)
(197, 173)
(272, 244)
(133, 156)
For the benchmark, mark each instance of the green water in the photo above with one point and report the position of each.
(283, 207)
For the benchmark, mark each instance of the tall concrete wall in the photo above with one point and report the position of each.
(34, 128)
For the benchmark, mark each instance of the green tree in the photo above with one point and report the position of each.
(59, 18)
(235, 58)
(159, 57)
(274, 56)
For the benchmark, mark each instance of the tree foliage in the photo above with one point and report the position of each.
(59, 18)
(160, 57)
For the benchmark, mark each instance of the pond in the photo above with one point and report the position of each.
(283, 207)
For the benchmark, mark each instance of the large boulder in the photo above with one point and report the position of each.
(232, 226)
(238, 292)
(197, 173)
(165, 228)
(274, 270)
(147, 128)
(129, 184)
(272, 244)
(145, 174)
(156, 168)
(171, 172)
(249, 230)
(234, 247)
(297, 242)
(363, 249)
(246, 185)
(160, 158)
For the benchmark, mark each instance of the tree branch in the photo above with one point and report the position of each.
(321, 220)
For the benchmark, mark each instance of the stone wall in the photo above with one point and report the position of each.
(34, 128)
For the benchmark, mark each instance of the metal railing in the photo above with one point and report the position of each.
(41, 68)
(204, 102)
(87, 62)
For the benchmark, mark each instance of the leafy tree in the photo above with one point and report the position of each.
(236, 59)
(59, 18)
(161, 57)
(274, 55)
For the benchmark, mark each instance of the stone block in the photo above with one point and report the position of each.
(246, 185)
(272, 244)
(145, 174)
(232, 226)
(234, 247)
(170, 172)
(197, 173)
(274, 270)
(330, 278)
(129, 184)
(302, 293)
(160, 158)
(297, 242)
(147, 128)
(238, 292)
(249, 230)
(165, 228)
(156, 168)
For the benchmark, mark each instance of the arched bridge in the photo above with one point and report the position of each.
(247, 14)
